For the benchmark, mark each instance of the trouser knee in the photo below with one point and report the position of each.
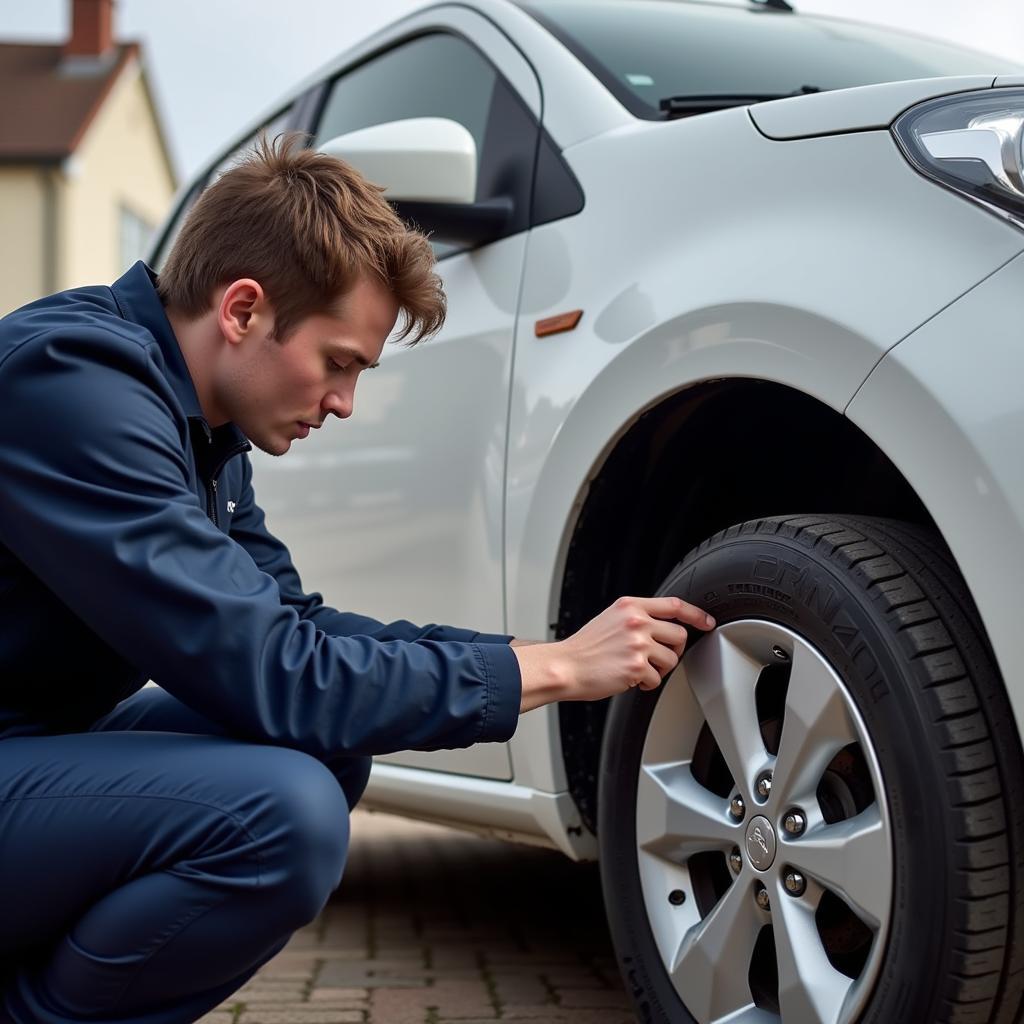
(305, 840)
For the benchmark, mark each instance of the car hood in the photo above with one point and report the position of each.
(861, 109)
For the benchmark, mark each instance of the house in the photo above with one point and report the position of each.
(85, 174)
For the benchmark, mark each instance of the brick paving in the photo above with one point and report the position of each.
(432, 926)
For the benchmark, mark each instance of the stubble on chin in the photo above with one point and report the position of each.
(271, 447)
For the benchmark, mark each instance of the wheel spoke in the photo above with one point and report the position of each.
(817, 724)
(676, 816)
(722, 678)
(853, 859)
(712, 964)
(811, 990)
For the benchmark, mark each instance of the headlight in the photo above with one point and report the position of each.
(971, 142)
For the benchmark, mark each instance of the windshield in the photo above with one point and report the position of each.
(646, 51)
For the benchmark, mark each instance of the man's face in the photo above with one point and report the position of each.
(277, 391)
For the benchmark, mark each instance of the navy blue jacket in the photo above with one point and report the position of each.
(119, 561)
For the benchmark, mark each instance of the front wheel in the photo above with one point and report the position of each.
(810, 820)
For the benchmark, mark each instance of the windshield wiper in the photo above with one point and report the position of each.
(684, 106)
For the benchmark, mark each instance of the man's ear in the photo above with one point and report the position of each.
(241, 304)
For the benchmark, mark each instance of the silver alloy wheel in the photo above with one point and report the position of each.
(712, 952)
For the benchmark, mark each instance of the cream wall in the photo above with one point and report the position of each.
(118, 162)
(22, 254)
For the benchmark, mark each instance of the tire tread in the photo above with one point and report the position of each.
(889, 558)
(910, 580)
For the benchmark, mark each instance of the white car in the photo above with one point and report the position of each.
(736, 303)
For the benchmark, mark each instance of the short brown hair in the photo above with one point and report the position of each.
(306, 226)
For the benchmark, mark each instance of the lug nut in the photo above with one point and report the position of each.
(761, 898)
(764, 785)
(735, 860)
(794, 823)
(780, 653)
(677, 897)
(737, 808)
(795, 883)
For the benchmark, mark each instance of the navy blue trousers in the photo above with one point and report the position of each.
(149, 866)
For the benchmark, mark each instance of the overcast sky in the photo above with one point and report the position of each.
(215, 64)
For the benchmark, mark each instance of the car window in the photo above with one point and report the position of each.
(442, 75)
(646, 51)
(434, 76)
(273, 127)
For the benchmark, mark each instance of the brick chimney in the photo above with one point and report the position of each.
(92, 29)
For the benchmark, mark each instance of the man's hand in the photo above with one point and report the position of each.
(637, 641)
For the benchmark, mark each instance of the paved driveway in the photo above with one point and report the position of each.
(432, 925)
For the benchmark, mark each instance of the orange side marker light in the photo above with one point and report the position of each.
(557, 324)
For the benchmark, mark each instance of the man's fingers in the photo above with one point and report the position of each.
(663, 660)
(677, 608)
(651, 679)
(669, 634)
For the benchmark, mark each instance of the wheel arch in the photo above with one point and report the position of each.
(691, 465)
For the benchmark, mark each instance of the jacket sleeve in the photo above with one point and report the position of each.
(94, 499)
(249, 528)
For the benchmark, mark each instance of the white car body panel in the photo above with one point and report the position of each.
(945, 406)
(398, 513)
(573, 394)
(500, 809)
(854, 110)
(774, 307)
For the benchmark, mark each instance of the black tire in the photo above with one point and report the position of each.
(935, 709)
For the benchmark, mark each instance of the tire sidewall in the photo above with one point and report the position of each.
(777, 580)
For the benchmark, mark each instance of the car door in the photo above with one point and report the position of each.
(398, 511)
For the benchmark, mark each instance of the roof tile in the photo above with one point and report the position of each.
(50, 101)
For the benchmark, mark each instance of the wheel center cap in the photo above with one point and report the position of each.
(760, 843)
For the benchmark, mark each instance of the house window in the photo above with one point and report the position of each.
(136, 232)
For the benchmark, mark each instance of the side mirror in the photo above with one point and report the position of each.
(427, 166)
(422, 159)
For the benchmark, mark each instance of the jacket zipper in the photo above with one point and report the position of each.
(211, 487)
(211, 500)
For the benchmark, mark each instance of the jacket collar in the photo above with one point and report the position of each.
(138, 302)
